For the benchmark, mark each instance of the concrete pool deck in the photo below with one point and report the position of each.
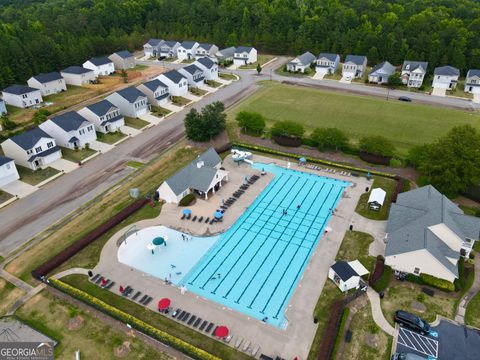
(296, 339)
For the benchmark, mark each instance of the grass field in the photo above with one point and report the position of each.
(472, 315)
(111, 137)
(355, 246)
(76, 155)
(227, 76)
(180, 101)
(160, 111)
(4, 196)
(197, 91)
(35, 177)
(8, 295)
(261, 59)
(405, 124)
(362, 207)
(135, 123)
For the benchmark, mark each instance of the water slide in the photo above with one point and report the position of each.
(238, 155)
(248, 161)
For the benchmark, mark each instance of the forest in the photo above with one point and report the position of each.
(46, 35)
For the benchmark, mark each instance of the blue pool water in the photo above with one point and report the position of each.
(255, 266)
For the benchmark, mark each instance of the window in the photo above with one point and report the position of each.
(49, 144)
(24, 96)
(101, 118)
(416, 271)
(90, 128)
(8, 166)
(29, 152)
(38, 149)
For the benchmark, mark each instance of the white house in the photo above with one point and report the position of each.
(203, 176)
(472, 82)
(354, 66)
(8, 171)
(347, 275)
(156, 92)
(168, 49)
(381, 73)
(3, 107)
(206, 50)
(176, 82)
(301, 62)
(327, 63)
(78, 76)
(104, 115)
(226, 54)
(33, 149)
(445, 77)
(21, 96)
(131, 102)
(209, 67)
(70, 130)
(48, 84)
(193, 74)
(244, 55)
(100, 66)
(187, 50)
(376, 198)
(151, 47)
(413, 73)
(427, 233)
(123, 60)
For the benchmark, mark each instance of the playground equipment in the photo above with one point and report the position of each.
(239, 155)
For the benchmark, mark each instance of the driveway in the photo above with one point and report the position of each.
(192, 97)
(19, 188)
(128, 130)
(64, 165)
(151, 119)
(172, 108)
(101, 146)
(319, 75)
(436, 91)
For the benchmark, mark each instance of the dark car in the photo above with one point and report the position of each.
(405, 98)
(409, 356)
(412, 321)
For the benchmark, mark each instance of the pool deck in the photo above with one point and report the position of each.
(295, 341)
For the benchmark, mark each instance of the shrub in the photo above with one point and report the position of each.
(331, 330)
(394, 162)
(7, 124)
(472, 255)
(330, 139)
(425, 279)
(395, 80)
(377, 272)
(251, 122)
(40, 116)
(460, 282)
(341, 328)
(421, 297)
(382, 283)
(309, 142)
(186, 200)
(377, 145)
(288, 129)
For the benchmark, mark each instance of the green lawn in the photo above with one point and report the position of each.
(135, 122)
(4, 196)
(111, 137)
(157, 320)
(35, 177)
(180, 101)
(472, 315)
(355, 246)
(405, 124)
(197, 91)
(281, 71)
(213, 83)
(160, 111)
(135, 164)
(362, 207)
(261, 59)
(76, 155)
(227, 76)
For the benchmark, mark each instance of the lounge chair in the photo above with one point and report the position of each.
(207, 220)
(195, 324)
(188, 216)
(255, 350)
(238, 343)
(183, 217)
(200, 219)
(106, 283)
(194, 218)
(246, 346)
(137, 294)
(209, 327)
(109, 286)
(228, 339)
(99, 280)
(148, 301)
(176, 312)
(93, 279)
(212, 221)
(192, 319)
(185, 317)
(129, 292)
(143, 299)
(205, 322)
(182, 314)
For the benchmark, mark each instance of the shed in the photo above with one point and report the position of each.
(376, 198)
(347, 275)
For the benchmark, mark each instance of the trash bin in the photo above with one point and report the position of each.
(315, 320)
(351, 227)
(381, 294)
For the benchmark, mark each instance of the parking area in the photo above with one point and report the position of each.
(410, 341)
(19, 188)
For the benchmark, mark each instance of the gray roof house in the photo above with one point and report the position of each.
(209, 68)
(131, 102)
(202, 176)
(151, 47)
(381, 73)
(176, 82)
(427, 233)
(445, 78)
(21, 96)
(327, 63)
(193, 74)
(226, 54)
(168, 49)
(413, 73)
(354, 66)
(123, 60)
(244, 55)
(48, 84)
(205, 49)
(100, 65)
(156, 92)
(187, 50)
(472, 81)
(78, 75)
(104, 115)
(302, 62)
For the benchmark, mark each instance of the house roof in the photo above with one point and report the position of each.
(131, 94)
(101, 108)
(473, 72)
(377, 195)
(154, 84)
(169, 43)
(383, 68)
(47, 152)
(188, 44)
(446, 71)
(206, 46)
(207, 62)
(98, 61)
(306, 58)
(29, 138)
(69, 121)
(4, 160)
(227, 52)
(242, 49)
(124, 54)
(174, 76)
(19, 89)
(77, 70)
(193, 176)
(344, 270)
(356, 59)
(46, 78)
(192, 69)
(413, 65)
(154, 42)
(329, 56)
(413, 215)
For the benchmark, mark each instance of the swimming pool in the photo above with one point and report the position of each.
(255, 266)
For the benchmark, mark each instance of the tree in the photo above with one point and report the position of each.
(250, 121)
(207, 124)
(452, 163)
(330, 139)
(259, 68)
(376, 145)
(287, 129)
(7, 124)
(124, 76)
(395, 80)
(40, 116)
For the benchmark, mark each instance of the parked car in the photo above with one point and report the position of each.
(409, 356)
(412, 321)
(405, 98)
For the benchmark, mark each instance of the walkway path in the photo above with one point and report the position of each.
(376, 228)
(474, 289)
(15, 281)
(25, 298)
(377, 312)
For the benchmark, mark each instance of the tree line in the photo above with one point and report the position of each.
(41, 36)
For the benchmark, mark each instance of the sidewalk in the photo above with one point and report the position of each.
(377, 312)
(462, 307)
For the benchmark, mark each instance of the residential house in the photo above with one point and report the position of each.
(445, 77)
(100, 66)
(176, 82)
(203, 176)
(152, 47)
(413, 73)
(209, 68)
(327, 63)
(157, 92)
(78, 76)
(225, 54)
(3, 108)
(301, 62)
(131, 102)
(123, 60)
(33, 149)
(70, 130)
(48, 84)
(8, 171)
(206, 50)
(21, 96)
(354, 66)
(427, 233)
(347, 275)
(376, 199)
(244, 55)
(381, 73)
(104, 115)
(168, 49)
(187, 50)
(193, 74)
(472, 82)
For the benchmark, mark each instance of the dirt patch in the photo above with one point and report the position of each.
(76, 323)
(418, 306)
(122, 350)
(371, 340)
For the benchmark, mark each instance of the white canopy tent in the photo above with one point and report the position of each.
(377, 197)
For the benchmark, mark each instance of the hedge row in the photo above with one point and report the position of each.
(80, 244)
(398, 189)
(136, 323)
(425, 279)
(377, 272)
(326, 347)
(374, 159)
(341, 328)
(382, 283)
(312, 160)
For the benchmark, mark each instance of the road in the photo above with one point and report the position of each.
(23, 219)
